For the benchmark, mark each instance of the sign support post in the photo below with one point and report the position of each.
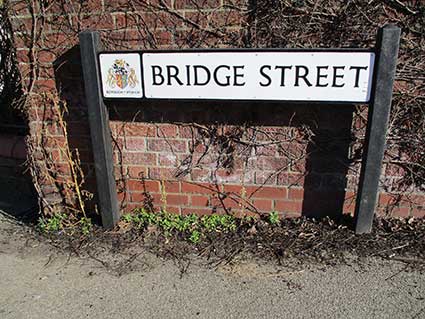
(99, 129)
(387, 44)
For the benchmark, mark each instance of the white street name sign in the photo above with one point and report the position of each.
(322, 76)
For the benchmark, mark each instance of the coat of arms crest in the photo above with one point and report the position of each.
(121, 75)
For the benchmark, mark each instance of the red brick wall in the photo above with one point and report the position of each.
(190, 157)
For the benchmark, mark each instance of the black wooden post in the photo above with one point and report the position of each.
(99, 129)
(387, 43)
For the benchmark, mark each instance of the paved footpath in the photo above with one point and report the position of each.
(37, 282)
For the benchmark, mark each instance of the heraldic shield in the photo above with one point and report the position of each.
(121, 75)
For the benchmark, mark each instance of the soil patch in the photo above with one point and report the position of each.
(292, 243)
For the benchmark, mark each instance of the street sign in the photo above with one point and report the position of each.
(320, 76)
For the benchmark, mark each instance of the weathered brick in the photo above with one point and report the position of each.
(122, 196)
(135, 144)
(227, 203)
(264, 205)
(45, 85)
(142, 185)
(296, 193)
(394, 170)
(22, 24)
(19, 8)
(58, 40)
(266, 192)
(236, 3)
(169, 209)
(129, 207)
(226, 18)
(386, 199)
(198, 17)
(201, 175)
(227, 176)
(199, 201)
(194, 4)
(45, 56)
(292, 215)
(161, 173)
(46, 71)
(298, 166)
(137, 171)
(145, 130)
(164, 145)
(120, 5)
(197, 188)
(55, 142)
(167, 131)
(267, 150)
(349, 206)
(418, 212)
(266, 177)
(99, 22)
(174, 199)
(236, 189)
(287, 206)
(400, 211)
(139, 158)
(137, 197)
(273, 164)
(170, 186)
(187, 131)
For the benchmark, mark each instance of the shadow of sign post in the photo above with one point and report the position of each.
(323, 76)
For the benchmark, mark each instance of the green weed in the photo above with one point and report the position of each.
(60, 221)
(191, 225)
(216, 222)
(86, 225)
(52, 224)
(195, 237)
(274, 218)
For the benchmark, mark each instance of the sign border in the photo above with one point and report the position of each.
(230, 50)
